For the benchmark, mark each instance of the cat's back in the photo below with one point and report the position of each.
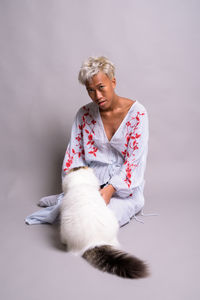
(81, 196)
(85, 218)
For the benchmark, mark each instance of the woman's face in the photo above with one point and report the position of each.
(101, 90)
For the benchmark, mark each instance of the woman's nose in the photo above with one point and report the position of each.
(98, 95)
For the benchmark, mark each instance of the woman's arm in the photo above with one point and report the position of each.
(107, 192)
(131, 174)
(74, 155)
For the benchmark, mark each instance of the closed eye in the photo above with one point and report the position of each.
(90, 90)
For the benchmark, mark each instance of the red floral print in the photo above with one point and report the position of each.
(69, 161)
(87, 126)
(131, 144)
(90, 123)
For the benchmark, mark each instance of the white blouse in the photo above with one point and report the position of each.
(121, 161)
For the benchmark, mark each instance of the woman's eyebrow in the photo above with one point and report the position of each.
(100, 83)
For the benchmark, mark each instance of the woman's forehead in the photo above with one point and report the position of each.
(97, 79)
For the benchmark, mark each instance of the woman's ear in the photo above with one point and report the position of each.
(113, 80)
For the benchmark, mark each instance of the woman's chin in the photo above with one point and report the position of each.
(102, 104)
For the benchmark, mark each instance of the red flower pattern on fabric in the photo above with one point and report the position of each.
(69, 161)
(131, 143)
(87, 125)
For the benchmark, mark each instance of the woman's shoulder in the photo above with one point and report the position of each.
(132, 105)
(138, 107)
(89, 107)
(138, 113)
(88, 110)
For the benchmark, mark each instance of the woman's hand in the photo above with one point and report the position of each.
(107, 193)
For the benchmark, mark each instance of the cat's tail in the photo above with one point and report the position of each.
(109, 259)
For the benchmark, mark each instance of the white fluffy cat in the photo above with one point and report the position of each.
(89, 228)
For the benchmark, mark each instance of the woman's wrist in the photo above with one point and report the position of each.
(111, 189)
(107, 192)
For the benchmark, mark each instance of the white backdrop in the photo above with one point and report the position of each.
(155, 47)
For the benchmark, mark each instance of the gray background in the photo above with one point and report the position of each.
(155, 46)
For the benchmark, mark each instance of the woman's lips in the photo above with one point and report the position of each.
(101, 103)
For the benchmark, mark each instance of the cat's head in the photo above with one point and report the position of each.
(77, 168)
(79, 176)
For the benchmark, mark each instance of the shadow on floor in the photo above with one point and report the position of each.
(54, 238)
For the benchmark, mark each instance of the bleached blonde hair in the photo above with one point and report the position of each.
(93, 65)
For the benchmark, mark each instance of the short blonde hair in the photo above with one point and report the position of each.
(93, 65)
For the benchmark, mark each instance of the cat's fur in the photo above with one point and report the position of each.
(89, 227)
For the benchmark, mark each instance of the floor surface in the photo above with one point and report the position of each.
(35, 266)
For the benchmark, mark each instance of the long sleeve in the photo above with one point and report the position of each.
(131, 174)
(74, 155)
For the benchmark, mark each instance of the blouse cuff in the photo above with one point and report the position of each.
(120, 189)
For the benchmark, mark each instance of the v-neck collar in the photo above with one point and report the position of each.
(118, 129)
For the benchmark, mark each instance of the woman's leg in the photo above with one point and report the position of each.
(48, 201)
(125, 209)
(46, 215)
